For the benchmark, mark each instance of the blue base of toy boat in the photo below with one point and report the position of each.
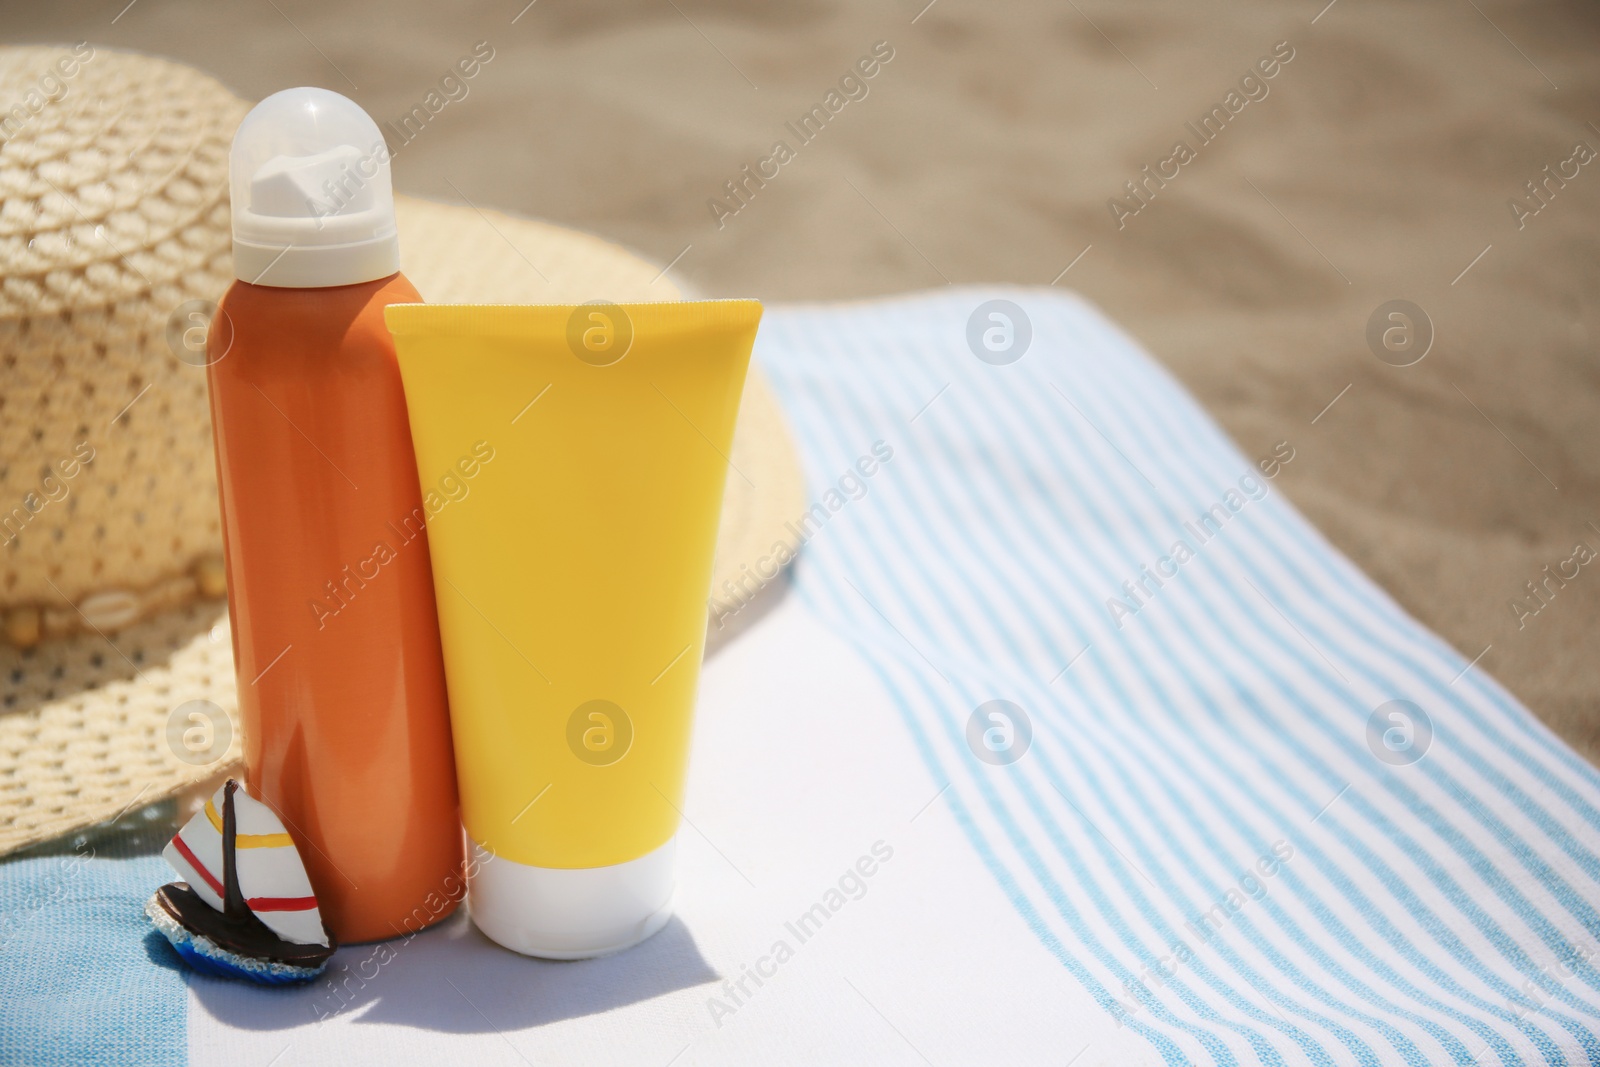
(207, 957)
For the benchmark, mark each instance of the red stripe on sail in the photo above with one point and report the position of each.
(282, 903)
(253, 903)
(200, 868)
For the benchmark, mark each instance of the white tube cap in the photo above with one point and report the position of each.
(560, 913)
(312, 202)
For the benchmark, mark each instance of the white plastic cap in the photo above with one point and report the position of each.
(559, 913)
(312, 202)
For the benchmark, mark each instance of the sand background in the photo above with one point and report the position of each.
(1379, 166)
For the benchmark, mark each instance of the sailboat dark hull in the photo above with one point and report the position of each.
(242, 935)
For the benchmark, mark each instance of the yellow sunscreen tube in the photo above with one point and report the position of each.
(572, 460)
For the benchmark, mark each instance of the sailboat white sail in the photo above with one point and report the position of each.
(271, 877)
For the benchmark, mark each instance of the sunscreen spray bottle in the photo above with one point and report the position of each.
(335, 636)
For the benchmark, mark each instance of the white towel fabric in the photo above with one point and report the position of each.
(1235, 807)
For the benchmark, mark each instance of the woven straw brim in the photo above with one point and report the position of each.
(91, 726)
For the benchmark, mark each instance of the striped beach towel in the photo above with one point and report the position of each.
(1072, 742)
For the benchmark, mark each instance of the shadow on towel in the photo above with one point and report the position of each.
(452, 979)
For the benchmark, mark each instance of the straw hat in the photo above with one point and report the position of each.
(116, 669)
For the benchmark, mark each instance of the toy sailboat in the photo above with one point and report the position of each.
(246, 908)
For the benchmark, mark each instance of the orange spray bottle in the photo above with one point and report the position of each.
(335, 636)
